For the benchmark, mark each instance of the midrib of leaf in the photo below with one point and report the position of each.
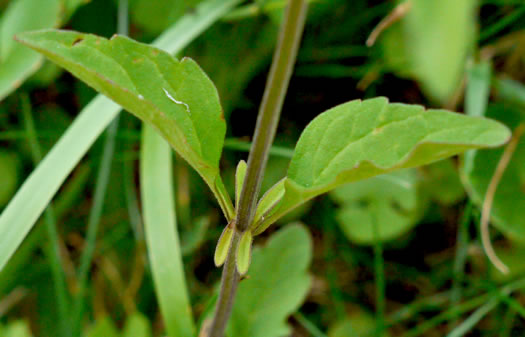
(437, 134)
(166, 83)
(359, 141)
(350, 142)
(425, 139)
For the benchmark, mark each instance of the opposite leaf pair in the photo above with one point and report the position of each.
(350, 142)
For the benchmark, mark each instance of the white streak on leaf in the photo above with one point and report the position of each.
(175, 101)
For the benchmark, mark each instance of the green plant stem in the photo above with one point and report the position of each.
(267, 120)
(461, 255)
(229, 282)
(379, 271)
(270, 110)
(312, 329)
(52, 248)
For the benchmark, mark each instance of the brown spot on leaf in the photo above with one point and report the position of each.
(78, 40)
(154, 52)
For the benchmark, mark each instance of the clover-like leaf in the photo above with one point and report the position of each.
(276, 285)
(362, 139)
(439, 35)
(441, 181)
(358, 323)
(103, 327)
(509, 198)
(175, 97)
(390, 201)
(137, 325)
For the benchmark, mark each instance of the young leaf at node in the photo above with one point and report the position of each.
(221, 251)
(280, 267)
(268, 201)
(240, 173)
(244, 252)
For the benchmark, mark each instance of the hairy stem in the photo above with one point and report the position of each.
(267, 120)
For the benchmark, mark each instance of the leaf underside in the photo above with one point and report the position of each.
(362, 139)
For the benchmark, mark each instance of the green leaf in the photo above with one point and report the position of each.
(137, 325)
(223, 245)
(17, 329)
(510, 194)
(175, 97)
(390, 201)
(244, 252)
(358, 324)
(103, 327)
(27, 205)
(277, 285)
(240, 173)
(439, 35)
(156, 16)
(16, 62)
(442, 183)
(268, 201)
(361, 139)
(161, 234)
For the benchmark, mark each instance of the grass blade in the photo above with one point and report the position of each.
(473, 319)
(95, 214)
(52, 248)
(162, 239)
(37, 191)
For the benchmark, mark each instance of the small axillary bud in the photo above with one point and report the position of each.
(223, 245)
(244, 252)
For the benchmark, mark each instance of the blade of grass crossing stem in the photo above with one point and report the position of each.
(32, 198)
(162, 239)
(52, 249)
